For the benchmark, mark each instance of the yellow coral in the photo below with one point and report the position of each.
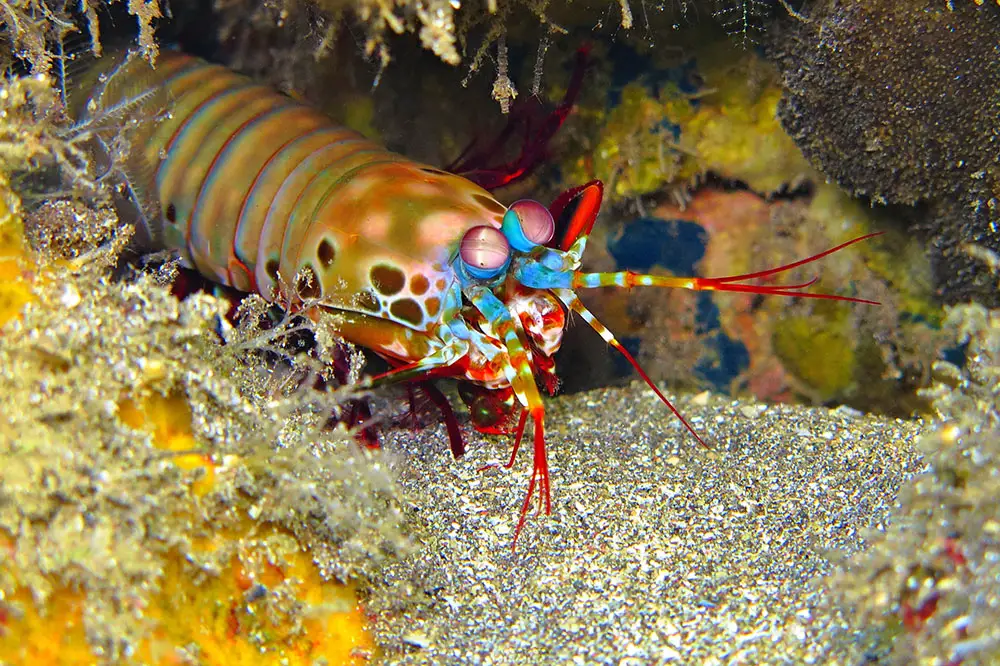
(168, 419)
(215, 616)
(632, 155)
(735, 133)
(359, 115)
(220, 618)
(729, 128)
(55, 636)
(14, 289)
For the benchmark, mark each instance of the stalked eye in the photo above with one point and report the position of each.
(484, 251)
(528, 224)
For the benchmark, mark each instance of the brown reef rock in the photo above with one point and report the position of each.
(899, 102)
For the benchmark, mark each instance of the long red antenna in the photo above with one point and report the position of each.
(729, 283)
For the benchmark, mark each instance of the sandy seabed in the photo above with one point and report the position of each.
(657, 550)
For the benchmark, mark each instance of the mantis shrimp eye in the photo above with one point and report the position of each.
(528, 224)
(484, 251)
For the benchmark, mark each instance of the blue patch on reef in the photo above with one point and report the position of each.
(678, 245)
(957, 355)
(630, 66)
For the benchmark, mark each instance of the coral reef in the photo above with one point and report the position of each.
(29, 133)
(34, 27)
(699, 142)
(903, 129)
(293, 36)
(871, 357)
(710, 113)
(147, 467)
(14, 289)
(930, 577)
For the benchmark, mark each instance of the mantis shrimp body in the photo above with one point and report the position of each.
(423, 267)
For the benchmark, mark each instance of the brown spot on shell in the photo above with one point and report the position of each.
(326, 253)
(367, 301)
(440, 284)
(307, 284)
(171, 213)
(489, 203)
(408, 310)
(419, 284)
(387, 280)
(433, 305)
(271, 268)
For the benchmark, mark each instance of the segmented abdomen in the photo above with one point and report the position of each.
(222, 158)
(249, 183)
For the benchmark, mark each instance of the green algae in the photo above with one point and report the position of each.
(632, 155)
(728, 128)
(818, 353)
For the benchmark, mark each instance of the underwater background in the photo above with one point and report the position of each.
(187, 477)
